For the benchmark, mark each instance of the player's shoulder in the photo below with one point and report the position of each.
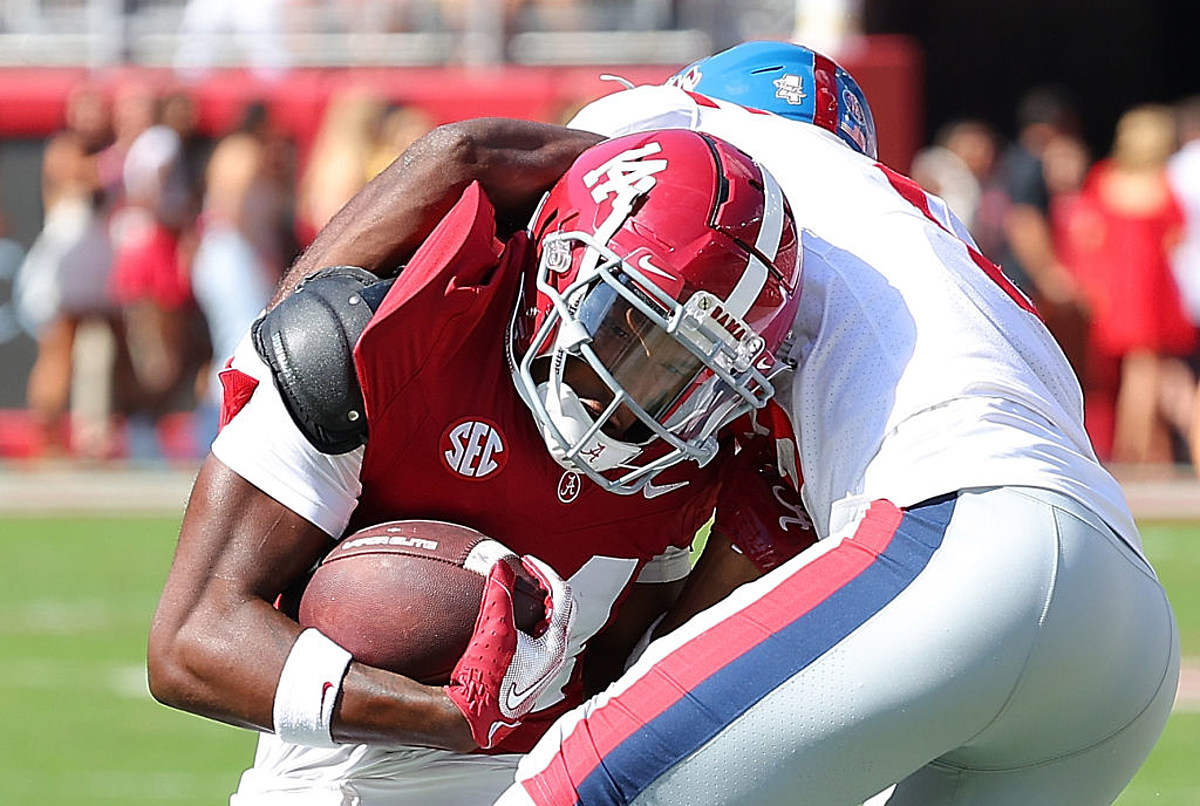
(637, 109)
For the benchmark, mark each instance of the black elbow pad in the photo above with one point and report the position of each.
(308, 341)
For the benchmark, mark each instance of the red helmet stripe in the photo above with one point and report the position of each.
(825, 108)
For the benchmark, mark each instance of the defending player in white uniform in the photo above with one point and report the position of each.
(978, 624)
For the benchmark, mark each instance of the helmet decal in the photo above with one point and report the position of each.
(624, 178)
(790, 88)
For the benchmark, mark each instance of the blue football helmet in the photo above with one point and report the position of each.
(789, 80)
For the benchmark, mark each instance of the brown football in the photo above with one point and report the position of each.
(404, 595)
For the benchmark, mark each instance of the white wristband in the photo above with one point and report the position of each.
(308, 688)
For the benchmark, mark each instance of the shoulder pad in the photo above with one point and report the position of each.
(308, 342)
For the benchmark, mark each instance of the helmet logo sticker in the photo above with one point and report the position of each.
(473, 449)
(569, 486)
(558, 257)
(853, 107)
(854, 122)
(790, 88)
(628, 175)
(593, 454)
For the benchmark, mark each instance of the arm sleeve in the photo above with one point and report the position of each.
(262, 444)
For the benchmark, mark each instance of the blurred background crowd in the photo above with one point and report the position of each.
(160, 227)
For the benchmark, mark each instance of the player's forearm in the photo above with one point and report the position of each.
(373, 706)
(378, 707)
(219, 648)
(515, 161)
(221, 664)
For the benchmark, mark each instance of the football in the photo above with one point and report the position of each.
(404, 595)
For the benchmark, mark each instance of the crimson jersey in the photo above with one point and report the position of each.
(451, 439)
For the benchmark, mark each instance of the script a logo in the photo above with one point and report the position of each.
(627, 175)
(569, 485)
(473, 448)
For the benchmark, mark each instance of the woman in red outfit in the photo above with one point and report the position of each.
(1127, 223)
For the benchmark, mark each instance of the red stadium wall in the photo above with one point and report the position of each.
(31, 99)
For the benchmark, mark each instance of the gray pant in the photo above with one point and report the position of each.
(1031, 658)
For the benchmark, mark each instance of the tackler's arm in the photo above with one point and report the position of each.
(515, 161)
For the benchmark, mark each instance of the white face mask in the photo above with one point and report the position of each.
(572, 420)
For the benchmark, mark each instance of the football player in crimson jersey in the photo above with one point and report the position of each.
(978, 623)
(640, 316)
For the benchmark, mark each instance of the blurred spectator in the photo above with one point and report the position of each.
(12, 255)
(1027, 253)
(338, 164)
(1078, 233)
(1138, 319)
(1183, 172)
(134, 108)
(179, 113)
(399, 126)
(943, 168)
(151, 281)
(977, 144)
(62, 292)
(1019, 205)
(241, 253)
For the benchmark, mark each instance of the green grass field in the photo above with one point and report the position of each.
(80, 728)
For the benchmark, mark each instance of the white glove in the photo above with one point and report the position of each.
(504, 670)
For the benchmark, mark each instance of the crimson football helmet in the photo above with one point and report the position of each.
(668, 276)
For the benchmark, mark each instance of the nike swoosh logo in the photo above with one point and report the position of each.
(495, 727)
(645, 265)
(652, 490)
(513, 699)
(324, 692)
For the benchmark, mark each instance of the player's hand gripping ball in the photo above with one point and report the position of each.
(405, 595)
(504, 671)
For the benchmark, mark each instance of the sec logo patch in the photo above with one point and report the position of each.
(473, 449)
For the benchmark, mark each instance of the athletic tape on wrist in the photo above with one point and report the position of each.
(308, 688)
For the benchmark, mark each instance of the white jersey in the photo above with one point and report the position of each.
(919, 371)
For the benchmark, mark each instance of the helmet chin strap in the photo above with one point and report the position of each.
(572, 420)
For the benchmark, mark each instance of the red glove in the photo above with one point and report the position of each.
(759, 510)
(503, 670)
